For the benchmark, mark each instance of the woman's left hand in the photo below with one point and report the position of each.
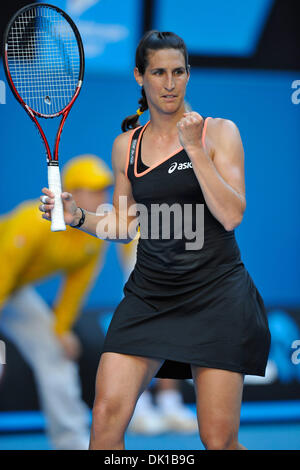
(190, 129)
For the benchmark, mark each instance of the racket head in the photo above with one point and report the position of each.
(43, 59)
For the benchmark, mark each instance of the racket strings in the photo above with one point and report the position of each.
(43, 59)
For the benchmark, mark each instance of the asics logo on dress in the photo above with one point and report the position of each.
(180, 166)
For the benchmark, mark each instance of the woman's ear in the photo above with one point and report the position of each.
(138, 76)
(188, 72)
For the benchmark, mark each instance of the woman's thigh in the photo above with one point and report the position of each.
(219, 396)
(123, 377)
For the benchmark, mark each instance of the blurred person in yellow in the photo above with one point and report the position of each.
(167, 412)
(29, 253)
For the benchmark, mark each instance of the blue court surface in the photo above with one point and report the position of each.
(271, 426)
(254, 437)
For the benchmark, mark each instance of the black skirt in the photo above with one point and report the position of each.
(213, 317)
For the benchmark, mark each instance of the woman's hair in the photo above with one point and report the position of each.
(152, 40)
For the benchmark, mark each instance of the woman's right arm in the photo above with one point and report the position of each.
(119, 224)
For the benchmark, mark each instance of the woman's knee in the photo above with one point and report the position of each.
(219, 440)
(111, 412)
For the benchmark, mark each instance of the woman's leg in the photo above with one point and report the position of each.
(120, 381)
(219, 396)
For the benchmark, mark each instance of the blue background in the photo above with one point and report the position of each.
(215, 27)
(109, 31)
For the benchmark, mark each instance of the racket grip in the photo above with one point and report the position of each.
(57, 213)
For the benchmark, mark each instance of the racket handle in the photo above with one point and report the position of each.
(57, 213)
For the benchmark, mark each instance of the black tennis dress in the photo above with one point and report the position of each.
(187, 301)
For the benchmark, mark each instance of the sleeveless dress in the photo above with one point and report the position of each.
(187, 302)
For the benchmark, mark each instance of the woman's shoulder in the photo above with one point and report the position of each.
(220, 129)
(120, 149)
(220, 126)
(123, 139)
(222, 134)
(218, 132)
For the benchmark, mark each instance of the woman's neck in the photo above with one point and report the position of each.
(164, 125)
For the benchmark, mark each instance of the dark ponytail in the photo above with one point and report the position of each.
(152, 40)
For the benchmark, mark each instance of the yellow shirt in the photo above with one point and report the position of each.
(29, 252)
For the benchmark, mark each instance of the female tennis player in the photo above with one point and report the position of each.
(189, 310)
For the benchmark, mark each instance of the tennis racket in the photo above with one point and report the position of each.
(44, 65)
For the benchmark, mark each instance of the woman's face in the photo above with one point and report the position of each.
(164, 80)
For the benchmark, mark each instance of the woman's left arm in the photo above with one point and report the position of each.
(221, 174)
